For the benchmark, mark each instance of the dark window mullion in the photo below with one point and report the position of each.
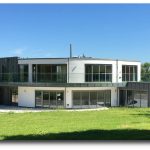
(92, 74)
(105, 73)
(99, 73)
(125, 74)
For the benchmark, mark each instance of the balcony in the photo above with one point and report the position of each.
(36, 78)
(49, 80)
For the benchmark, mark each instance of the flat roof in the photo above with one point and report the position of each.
(80, 58)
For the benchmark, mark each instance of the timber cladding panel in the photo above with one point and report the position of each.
(9, 69)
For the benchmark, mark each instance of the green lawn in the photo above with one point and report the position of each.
(115, 123)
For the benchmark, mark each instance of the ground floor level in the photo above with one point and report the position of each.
(73, 97)
(67, 97)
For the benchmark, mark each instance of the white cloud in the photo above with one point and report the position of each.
(24, 52)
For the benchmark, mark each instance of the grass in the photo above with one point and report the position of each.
(112, 124)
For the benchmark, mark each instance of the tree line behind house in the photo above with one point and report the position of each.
(145, 72)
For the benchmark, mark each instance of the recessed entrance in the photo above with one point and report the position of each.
(8, 95)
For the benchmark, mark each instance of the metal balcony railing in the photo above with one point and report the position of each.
(75, 77)
(40, 77)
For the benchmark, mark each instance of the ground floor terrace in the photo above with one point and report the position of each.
(131, 95)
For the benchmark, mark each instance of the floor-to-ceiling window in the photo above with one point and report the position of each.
(46, 99)
(129, 73)
(39, 98)
(49, 73)
(49, 99)
(98, 73)
(23, 73)
(14, 95)
(82, 99)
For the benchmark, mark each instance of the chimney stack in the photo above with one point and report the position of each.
(70, 51)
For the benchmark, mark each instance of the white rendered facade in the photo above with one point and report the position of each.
(75, 74)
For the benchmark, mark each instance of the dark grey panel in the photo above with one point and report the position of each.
(9, 69)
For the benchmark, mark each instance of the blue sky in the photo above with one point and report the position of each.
(117, 31)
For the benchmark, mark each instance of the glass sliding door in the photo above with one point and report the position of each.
(14, 96)
(93, 99)
(45, 99)
(101, 98)
(38, 99)
(53, 101)
(60, 99)
(87, 99)
(107, 98)
(23, 73)
(49, 99)
(61, 73)
(77, 99)
(51, 73)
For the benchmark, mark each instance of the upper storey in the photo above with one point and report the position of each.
(78, 70)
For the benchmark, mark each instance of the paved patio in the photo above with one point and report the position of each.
(16, 109)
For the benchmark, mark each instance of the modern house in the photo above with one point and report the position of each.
(75, 82)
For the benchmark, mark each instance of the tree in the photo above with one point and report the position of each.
(145, 72)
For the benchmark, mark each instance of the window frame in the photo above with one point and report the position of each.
(101, 76)
(128, 75)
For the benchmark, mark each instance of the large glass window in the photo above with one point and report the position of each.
(45, 99)
(38, 99)
(49, 73)
(92, 98)
(88, 75)
(85, 98)
(98, 73)
(52, 99)
(107, 98)
(14, 93)
(23, 72)
(101, 98)
(76, 99)
(95, 73)
(129, 73)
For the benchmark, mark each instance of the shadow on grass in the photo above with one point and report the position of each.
(126, 134)
(145, 115)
